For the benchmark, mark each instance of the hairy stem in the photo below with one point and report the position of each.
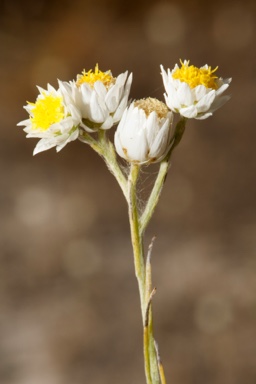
(135, 234)
(143, 275)
(161, 177)
(106, 150)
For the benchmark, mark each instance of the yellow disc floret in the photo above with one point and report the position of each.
(91, 77)
(46, 111)
(194, 76)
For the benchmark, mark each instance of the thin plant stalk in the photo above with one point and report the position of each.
(154, 371)
(161, 177)
(143, 275)
(106, 150)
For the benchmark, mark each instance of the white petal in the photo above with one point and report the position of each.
(137, 149)
(51, 89)
(124, 100)
(75, 113)
(29, 108)
(40, 89)
(108, 123)
(70, 138)
(112, 99)
(161, 142)
(174, 69)
(133, 124)
(120, 80)
(203, 116)
(205, 102)
(200, 91)
(184, 94)
(63, 126)
(128, 85)
(36, 133)
(98, 112)
(86, 128)
(170, 117)
(86, 92)
(100, 89)
(189, 112)
(117, 91)
(223, 87)
(118, 145)
(130, 136)
(172, 100)
(74, 135)
(152, 128)
(164, 75)
(66, 91)
(44, 145)
(218, 102)
(220, 81)
(120, 110)
(24, 122)
(123, 119)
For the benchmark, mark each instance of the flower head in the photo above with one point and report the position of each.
(144, 133)
(99, 97)
(194, 92)
(51, 120)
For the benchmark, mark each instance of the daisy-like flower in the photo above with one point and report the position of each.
(145, 131)
(99, 97)
(194, 92)
(51, 120)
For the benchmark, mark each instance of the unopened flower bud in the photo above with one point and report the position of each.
(144, 133)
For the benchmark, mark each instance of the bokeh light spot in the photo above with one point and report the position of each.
(165, 24)
(81, 258)
(34, 206)
(233, 27)
(213, 313)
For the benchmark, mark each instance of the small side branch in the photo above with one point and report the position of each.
(160, 365)
(148, 278)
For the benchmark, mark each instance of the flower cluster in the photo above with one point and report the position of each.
(86, 108)
(97, 101)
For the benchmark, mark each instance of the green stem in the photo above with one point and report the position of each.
(161, 177)
(135, 234)
(146, 343)
(153, 366)
(155, 195)
(143, 275)
(149, 344)
(113, 166)
(106, 150)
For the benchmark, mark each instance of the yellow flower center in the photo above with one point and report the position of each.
(194, 76)
(150, 104)
(91, 77)
(47, 111)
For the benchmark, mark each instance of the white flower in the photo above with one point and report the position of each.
(145, 131)
(194, 92)
(99, 97)
(51, 120)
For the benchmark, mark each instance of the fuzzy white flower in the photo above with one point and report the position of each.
(194, 92)
(99, 97)
(145, 131)
(51, 120)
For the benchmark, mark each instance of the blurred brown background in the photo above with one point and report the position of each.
(69, 309)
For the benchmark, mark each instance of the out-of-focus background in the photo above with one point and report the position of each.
(69, 308)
